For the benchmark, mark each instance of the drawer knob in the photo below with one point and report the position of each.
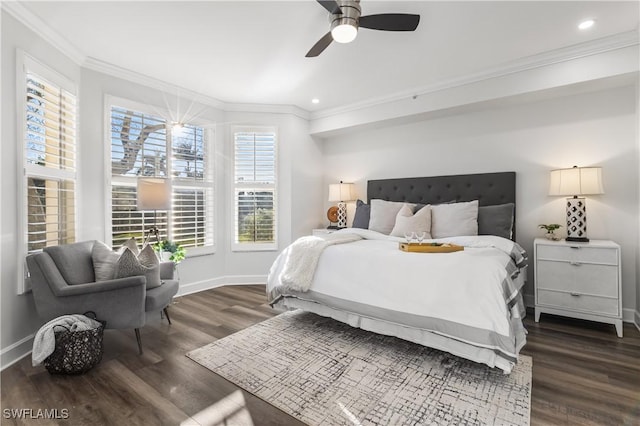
(576, 263)
(575, 294)
(575, 247)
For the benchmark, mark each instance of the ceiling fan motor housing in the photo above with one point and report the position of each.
(349, 16)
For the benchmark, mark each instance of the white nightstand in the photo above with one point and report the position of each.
(578, 280)
(322, 231)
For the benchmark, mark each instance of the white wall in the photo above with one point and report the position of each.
(18, 317)
(300, 181)
(532, 138)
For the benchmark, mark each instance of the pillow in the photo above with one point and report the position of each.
(361, 218)
(146, 263)
(383, 215)
(104, 261)
(496, 220)
(132, 245)
(456, 219)
(406, 221)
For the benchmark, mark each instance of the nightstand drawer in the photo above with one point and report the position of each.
(606, 255)
(600, 280)
(591, 304)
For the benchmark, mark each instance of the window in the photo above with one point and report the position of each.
(143, 144)
(49, 133)
(254, 191)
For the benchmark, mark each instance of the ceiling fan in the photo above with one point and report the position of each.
(345, 20)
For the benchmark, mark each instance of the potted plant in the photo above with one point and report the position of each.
(170, 250)
(550, 228)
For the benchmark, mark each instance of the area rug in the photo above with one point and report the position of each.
(324, 372)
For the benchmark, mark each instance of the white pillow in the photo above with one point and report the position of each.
(406, 221)
(383, 215)
(104, 261)
(455, 219)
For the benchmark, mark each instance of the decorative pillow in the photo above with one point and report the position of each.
(104, 261)
(406, 221)
(361, 218)
(383, 215)
(132, 245)
(456, 219)
(146, 264)
(496, 220)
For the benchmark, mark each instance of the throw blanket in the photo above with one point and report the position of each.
(302, 259)
(45, 341)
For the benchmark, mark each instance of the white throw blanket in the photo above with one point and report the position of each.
(302, 258)
(45, 341)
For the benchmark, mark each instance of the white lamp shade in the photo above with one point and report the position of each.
(576, 181)
(341, 192)
(154, 194)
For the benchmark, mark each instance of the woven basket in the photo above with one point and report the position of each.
(76, 352)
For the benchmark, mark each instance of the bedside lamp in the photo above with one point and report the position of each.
(341, 192)
(576, 181)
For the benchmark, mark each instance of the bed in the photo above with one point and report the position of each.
(468, 303)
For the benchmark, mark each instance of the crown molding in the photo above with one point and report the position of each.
(566, 54)
(43, 30)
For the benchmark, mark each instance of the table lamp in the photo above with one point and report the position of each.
(341, 192)
(576, 181)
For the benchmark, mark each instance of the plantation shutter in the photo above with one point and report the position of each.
(50, 163)
(255, 190)
(143, 145)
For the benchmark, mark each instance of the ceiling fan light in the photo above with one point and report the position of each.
(344, 33)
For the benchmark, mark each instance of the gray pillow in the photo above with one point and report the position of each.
(496, 220)
(146, 264)
(104, 261)
(361, 218)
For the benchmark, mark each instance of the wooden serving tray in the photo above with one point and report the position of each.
(430, 247)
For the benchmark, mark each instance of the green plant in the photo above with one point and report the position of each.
(177, 251)
(550, 227)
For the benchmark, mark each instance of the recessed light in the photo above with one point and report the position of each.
(315, 101)
(586, 24)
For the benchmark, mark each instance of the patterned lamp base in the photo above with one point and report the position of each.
(342, 215)
(577, 219)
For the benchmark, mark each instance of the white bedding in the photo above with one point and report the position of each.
(470, 296)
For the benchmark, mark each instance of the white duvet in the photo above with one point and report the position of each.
(471, 288)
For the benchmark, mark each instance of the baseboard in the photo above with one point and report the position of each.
(219, 282)
(637, 320)
(15, 352)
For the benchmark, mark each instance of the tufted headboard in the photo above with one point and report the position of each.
(488, 188)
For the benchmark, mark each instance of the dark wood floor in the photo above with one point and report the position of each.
(582, 373)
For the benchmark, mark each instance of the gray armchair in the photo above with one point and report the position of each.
(63, 282)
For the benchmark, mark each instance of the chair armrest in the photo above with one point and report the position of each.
(167, 270)
(100, 286)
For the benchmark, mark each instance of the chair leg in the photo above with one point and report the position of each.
(137, 330)
(166, 312)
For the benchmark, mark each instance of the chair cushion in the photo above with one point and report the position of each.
(160, 297)
(73, 261)
(146, 264)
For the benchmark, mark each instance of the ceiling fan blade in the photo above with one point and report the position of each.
(331, 5)
(319, 47)
(390, 22)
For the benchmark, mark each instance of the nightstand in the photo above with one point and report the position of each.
(322, 231)
(578, 280)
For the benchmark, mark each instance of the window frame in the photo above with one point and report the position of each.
(252, 247)
(207, 184)
(26, 64)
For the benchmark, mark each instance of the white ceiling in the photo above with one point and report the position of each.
(253, 52)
